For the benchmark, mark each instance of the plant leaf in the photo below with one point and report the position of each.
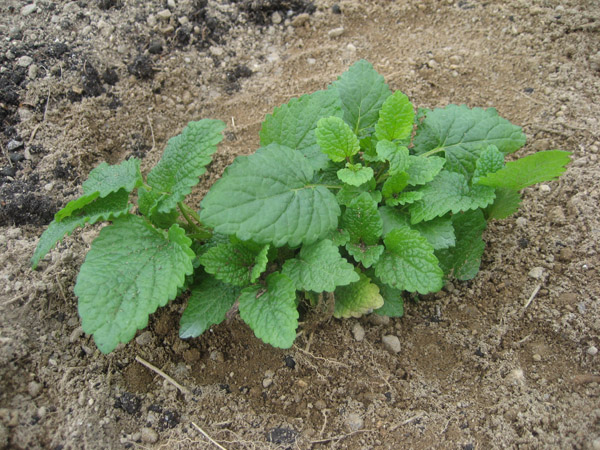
(107, 208)
(271, 312)
(237, 263)
(393, 303)
(106, 179)
(208, 304)
(362, 221)
(404, 198)
(355, 176)
(505, 204)
(182, 163)
(422, 170)
(462, 133)
(362, 92)
(465, 257)
(129, 272)
(449, 191)
(336, 139)
(357, 298)
(408, 263)
(397, 155)
(527, 171)
(348, 192)
(319, 267)
(339, 237)
(293, 124)
(396, 118)
(394, 185)
(491, 160)
(367, 255)
(439, 232)
(268, 197)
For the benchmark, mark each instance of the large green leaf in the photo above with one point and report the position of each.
(362, 221)
(449, 191)
(357, 298)
(336, 139)
(129, 272)
(107, 208)
(527, 171)
(268, 197)
(362, 92)
(461, 133)
(505, 204)
(271, 311)
(408, 263)
(209, 302)
(293, 124)
(183, 161)
(319, 267)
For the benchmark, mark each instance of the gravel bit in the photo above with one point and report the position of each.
(391, 343)
(358, 332)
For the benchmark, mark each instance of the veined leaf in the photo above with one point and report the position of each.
(362, 92)
(129, 272)
(319, 267)
(106, 179)
(422, 170)
(362, 221)
(408, 263)
(336, 139)
(397, 155)
(355, 174)
(462, 133)
(505, 204)
(367, 255)
(182, 163)
(491, 160)
(527, 171)
(293, 124)
(271, 312)
(268, 197)
(357, 298)
(393, 303)
(208, 304)
(107, 208)
(396, 118)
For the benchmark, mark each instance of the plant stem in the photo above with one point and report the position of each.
(433, 151)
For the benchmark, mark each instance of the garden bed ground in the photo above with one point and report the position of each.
(481, 364)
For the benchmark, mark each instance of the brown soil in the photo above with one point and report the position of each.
(477, 368)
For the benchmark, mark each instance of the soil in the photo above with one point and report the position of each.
(482, 364)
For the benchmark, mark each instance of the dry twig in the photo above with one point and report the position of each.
(208, 437)
(155, 369)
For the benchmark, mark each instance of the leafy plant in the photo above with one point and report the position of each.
(351, 194)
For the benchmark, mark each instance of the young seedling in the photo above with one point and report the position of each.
(351, 194)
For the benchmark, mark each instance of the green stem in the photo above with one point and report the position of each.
(188, 219)
(433, 152)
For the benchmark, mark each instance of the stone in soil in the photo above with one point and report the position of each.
(358, 332)
(282, 435)
(391, 343)
(149, 436)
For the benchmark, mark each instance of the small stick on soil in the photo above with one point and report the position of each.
(533, 294)
(207, 436)
(155, 369)
(586, 378)
(152, 133)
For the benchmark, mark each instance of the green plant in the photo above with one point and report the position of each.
(351, 194)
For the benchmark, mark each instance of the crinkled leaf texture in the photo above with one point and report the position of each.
(208, 304)
(396, 118)
(319, 267)
(449, 191)
(106, 179)
(490, 160)
(268, 197)
(237, 263)
(99, 209)
(271, 311)
(462, 133)
(464, 258)
(527, 171)
(393, 303)
(362, 221)
(129, 272)
(422, 170)
(362, 92)
(355, 175)
(336, 139)
(367, 255)
(357, 298)
(182, 163)
(397, 155)
(293, 124)
(408, 263)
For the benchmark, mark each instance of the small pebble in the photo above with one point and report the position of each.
(165, 14)
(33, 71)
(276, 18)
(75, 335)
(516, 376)
(592, 350)
(537, 273)
(596, 444)
(216, 51)
(377, 319)
(28, 9)
(354, 422)
(544, 188)
(566, 254)
(149, 436)
(351, 47)
(537, 358)
(391, 343)
(34, 388)
(336, 32)
(311, 61)
(432, 64)
(144, 339)
(267, 382)
(521, 221)
(24, 61)
(300, 20)
(358, 332)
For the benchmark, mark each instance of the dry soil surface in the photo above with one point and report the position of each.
(483, 364)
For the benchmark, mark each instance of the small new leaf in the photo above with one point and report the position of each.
(398, 156)
(129, 272)
(491, 160)
(319, 267)
(367, 255)
(336, 139)
(396, 118)
(362, 221)
(357, 298)
(355, 174)
(271, 311)
(527, 171)
(408, 263)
